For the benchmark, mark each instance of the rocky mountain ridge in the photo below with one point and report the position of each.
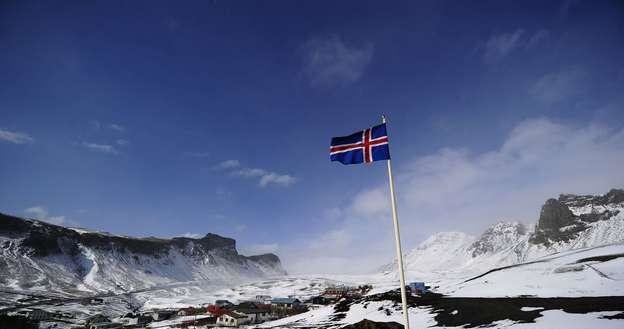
(39, 255)
(569, 222)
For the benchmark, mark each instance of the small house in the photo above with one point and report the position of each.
(255, 315)
(189, 311)
(160, 315)
(286, 302)
(319, 300)
(232, 319)
(223, 303)
(131, 319)
(417, 288)
(215, 310)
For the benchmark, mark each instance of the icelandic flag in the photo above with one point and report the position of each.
(365, 146)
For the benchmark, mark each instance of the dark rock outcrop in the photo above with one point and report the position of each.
(572, 200)
(40, 239)
(558, 223)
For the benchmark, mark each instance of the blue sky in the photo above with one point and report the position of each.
(161, 119)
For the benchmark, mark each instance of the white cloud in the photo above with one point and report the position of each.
(250, 172)
(122, 142)
(265, 177)
(104, 148)
(257, 249)
(192, 235)
(97, 125)
(331, 62)
(457, 189)
(537, 38)
(15, 137)
(116, 127)
(227, 164)
(556, 87)
(277, 179)
(501, 45)
(41, 213)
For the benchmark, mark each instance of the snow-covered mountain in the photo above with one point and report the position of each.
(38, 256)
(569, 222)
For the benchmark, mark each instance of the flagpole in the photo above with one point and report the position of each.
(397, 237)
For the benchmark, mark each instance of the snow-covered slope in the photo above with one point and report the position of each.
(570, 222)
(36, 256)
(579, 288)
(594, 271)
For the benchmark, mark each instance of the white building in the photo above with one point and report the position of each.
(232, 319)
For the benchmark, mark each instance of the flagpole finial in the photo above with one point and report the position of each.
(383, 118)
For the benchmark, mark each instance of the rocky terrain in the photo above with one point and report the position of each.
(569, 222)
(38, 256)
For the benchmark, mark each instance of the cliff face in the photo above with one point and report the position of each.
(564, 219)
(37, 254)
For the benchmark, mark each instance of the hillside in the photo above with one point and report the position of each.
(37, 256)
(567, 223)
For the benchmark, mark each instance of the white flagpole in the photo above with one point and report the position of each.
(397, 237)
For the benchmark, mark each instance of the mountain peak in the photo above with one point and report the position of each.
(498, 237)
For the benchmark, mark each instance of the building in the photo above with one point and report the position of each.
(232, 319)
(255, 315)
(190, 311)
(417, 288)
(286, 303)
(223, 303)
(337, 292)
(263, 299)
(195, 320)
(319, 300)
(135, 319)
(160, 315)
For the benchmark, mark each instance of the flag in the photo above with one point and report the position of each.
(365, 146)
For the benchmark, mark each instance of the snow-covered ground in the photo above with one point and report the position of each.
(596, 271)
(560, 275)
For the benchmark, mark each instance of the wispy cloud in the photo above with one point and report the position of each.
(192, 235)
(122, 142)
(117, 127)
(332, 62)
(97, 125)
(227, 164)
(104, 148)
(41, 213)
(501, 45)
(15, 137)
(264, 177)
(555, 87)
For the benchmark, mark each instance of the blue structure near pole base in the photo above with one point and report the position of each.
(417, 288)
